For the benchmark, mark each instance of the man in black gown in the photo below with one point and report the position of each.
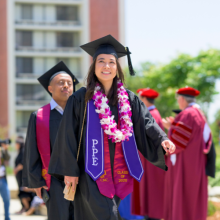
(60, 83)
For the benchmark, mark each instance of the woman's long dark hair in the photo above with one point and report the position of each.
(92, 80)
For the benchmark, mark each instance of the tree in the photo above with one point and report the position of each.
(3, 132)
(199, 72)
(215, 127)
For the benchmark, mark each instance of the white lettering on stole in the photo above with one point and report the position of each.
(94, 152)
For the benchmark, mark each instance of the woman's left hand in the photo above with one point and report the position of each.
(168, 146)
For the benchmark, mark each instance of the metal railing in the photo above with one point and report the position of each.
(50, 1)
(65, 0)
(45, 23)
(27, 75)
(35, 76)
(21, 129)
(32, 102)
(45, 49)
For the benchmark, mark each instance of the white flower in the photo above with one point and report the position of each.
(104, 99)
(119, 135)
(105, 121)
(97, 88)
(104, 105)
(102, 111)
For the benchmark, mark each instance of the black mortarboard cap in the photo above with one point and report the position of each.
(108, 45)
(177, 111)
(46, 77)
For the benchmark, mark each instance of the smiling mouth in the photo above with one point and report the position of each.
(106, 73)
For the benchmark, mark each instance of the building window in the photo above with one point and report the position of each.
(64, 39)
(31, 93)
(24, 38)
(23, 118)
(65, 60)
(67, 13)
(26, 12)
(24, 65)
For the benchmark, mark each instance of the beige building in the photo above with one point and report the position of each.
(38, 34)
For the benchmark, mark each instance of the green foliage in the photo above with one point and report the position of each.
(211, 209)
(9, 170)
(215, 127)
(199, 72)
(215, 181)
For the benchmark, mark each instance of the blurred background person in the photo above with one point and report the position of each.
(4, 190)
(186, 195)
(24, 195)
(35, 203)
(148, 195)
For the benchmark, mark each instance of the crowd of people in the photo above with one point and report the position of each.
(181, 192)
(28, 198)
(108, 153)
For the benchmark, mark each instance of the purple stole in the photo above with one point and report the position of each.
(127, 164)
(43, 140)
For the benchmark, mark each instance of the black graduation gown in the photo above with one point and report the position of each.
(57, 207)
(210, 165)
(19, 160)
(89, 202)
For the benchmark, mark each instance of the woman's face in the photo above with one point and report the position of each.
(105, 68)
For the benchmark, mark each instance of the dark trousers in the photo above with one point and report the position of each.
(57, 207)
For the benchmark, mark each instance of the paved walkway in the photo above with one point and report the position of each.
(14, 207)
(15, 203)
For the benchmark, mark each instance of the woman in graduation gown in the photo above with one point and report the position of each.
(117, 124)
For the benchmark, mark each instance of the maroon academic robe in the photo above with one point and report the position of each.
(148, 195)
(186, 181)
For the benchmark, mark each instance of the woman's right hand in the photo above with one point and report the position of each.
(71, 180)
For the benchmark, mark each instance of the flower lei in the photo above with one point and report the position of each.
(107, 121)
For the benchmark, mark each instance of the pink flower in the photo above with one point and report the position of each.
(107, 111)
(113, 130)
(99, 101)
(98, 93)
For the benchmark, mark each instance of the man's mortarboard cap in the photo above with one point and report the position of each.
(188, 92)
(47, 77)
(108, 45)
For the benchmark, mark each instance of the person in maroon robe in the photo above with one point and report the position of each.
(186, 181)
(147, 197)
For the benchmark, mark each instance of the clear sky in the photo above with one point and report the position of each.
(157, 30)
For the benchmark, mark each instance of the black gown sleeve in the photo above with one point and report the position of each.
(32, 167)
(64, 163)
(148, 133)
(210, 165)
